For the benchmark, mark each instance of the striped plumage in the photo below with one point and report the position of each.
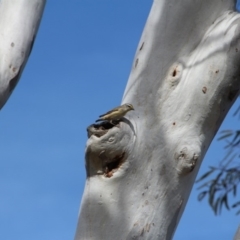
(116, 113)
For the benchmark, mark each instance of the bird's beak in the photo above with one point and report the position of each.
(133, 108)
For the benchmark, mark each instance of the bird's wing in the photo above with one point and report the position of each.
(111, 111)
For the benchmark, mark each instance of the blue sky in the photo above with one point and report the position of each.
(83, 49)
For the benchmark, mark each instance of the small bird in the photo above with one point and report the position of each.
(116, 113)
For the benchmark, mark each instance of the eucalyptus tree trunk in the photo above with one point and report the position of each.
(237, 235)
(184, 79)
(19, 22)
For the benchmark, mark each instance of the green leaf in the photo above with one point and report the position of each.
(236, 204)
(218, 176)
(237, 212)
(234, 190)
(238, 110)
(237, 134)
(236, 143)
(224, 183)
(216, 206)
(211, 193)
(205, 184)
(205, 175)
(202, 195)
(225, 201)
(225, 134)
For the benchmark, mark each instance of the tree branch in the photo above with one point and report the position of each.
(184, 79)
(19, 22)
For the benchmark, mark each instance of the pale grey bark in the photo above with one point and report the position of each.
(184, 79)
(19, 22)
(237, 235)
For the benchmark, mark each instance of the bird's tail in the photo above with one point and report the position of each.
(98, 120)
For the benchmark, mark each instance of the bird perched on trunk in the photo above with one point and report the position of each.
(116, 113)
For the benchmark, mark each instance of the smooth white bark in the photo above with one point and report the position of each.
(19, 22)
(237, 235)
(184, 79)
